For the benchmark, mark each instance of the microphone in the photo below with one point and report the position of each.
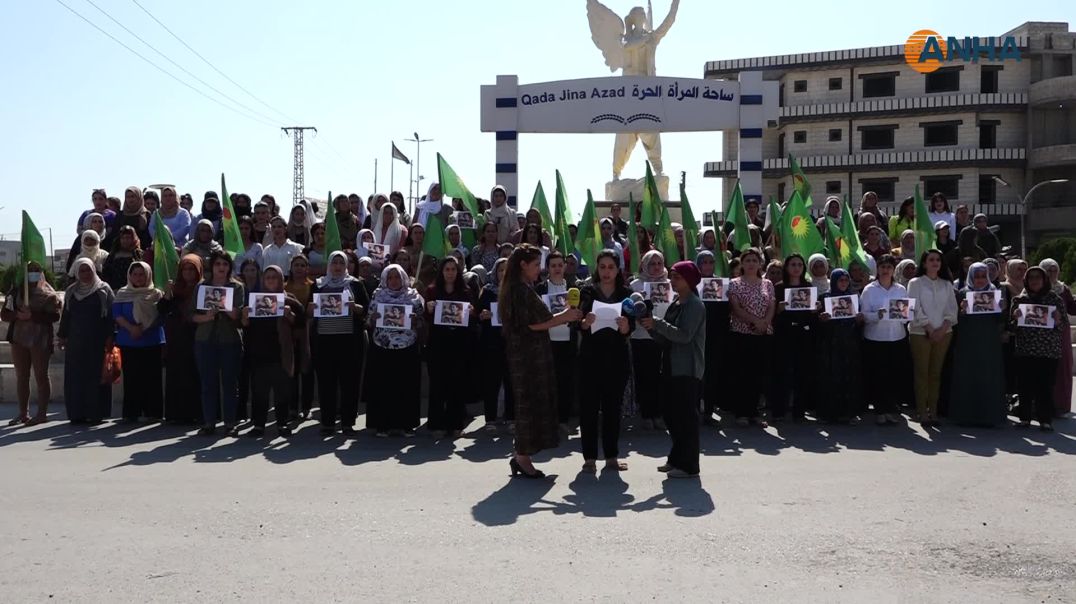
(573, 297)
(640, 309)
(637, 297)
(628, 307)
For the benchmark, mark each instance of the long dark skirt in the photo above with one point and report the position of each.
(392, 403)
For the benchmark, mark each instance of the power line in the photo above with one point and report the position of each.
(180, 67)
(214, 67)
(158, 67)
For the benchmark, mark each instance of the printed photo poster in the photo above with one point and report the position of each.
(265, 305)
(801, 298)
(900, 309)
(378, 251)
(393, 316)
(495, 318)
(211, 297)
(980, 303)
(658, 292)
(1039, 316)
(464, 220)
(450, 313)
(331, 305)
(556, 302)
(842, 307)
(714, 289)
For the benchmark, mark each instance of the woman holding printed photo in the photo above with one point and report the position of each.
(839, 374)
(218, 349)
(336, 345)
(793, 342)
(447, 349)
(1038, 350)
(563, 339)
(603, 358)
(977, 396)
(717, 338)
(753, 305)
(393, 407)
(270, 344)
(645, 353)
(885, 344)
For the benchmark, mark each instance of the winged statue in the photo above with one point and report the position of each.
(630, 45)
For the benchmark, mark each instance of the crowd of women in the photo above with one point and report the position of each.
(537, 368)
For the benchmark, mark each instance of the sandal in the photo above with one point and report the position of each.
(590, 467)
(37, 419)
(22, 419)
(616, 465)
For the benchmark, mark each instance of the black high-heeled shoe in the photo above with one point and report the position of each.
(518, 469)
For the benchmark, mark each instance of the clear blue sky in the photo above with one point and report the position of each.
(82, 112)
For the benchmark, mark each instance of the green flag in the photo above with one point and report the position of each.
(799, 181)
(452, 186)
(799, 235)
(651, 213)
(32, 246)
(737, 215)
(773, 218)
(434, 244)
(925, 237)
(538, 202)
(561, 219)
(721, 261)
(588, 239)
(165, 258)
(666, 238)
(836, 248)
(850, 238)
(691, 228)
(233, 240)
(332, 229)
(633, 236)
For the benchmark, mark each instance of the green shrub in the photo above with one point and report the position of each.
(1063, 250)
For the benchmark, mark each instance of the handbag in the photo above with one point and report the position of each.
(112, 368)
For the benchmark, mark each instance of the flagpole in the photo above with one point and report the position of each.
(375, 175)
(26, 284)
(392, 174)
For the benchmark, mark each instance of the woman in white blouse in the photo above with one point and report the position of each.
(931, 331)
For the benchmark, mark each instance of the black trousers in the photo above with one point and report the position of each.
(242, 409)
(446, 363)
(143, 391)
(646, 363)
(882, 361)
(604, 375)
(751, 376)
(682, 420)
(494, 377)
(1036, 377)
(303, 392)
(792, 380)
(338, 360)
(270, 379)
(565, 358)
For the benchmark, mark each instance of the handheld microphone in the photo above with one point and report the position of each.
(640, 309)
(637, 297)
(628, 307)
(573, 297)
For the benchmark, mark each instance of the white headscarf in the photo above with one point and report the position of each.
(92, 252)
(80, 291)
(428, 207)
(393, 234)
(333, 283)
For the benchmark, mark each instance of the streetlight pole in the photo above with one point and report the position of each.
(418, 160)
(1023, 207)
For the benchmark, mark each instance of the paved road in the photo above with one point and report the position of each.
(793, 514)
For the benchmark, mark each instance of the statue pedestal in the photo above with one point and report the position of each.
(619, 190)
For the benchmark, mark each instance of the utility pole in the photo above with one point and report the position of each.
(418, 163)
(298, 186)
